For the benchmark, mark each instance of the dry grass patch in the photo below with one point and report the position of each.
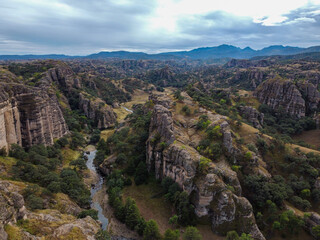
(138, 97)
(105, 134)
(121, 113)
(69, 155)
(6, 164)
(14, 232)
(311, 137)
(151, 207)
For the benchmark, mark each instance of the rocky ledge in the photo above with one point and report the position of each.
(227, 209)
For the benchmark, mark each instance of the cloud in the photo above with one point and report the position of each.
(81, 27)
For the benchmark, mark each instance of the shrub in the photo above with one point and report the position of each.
(214, 132)
(3, 151)
(91, 212)
(151, 231)
(204, 164)
(316, 231)
(300, 203)
(185, 109)
(305, 193)
(232, 235)
(173, 220)
(141, 175)
(248, 156)
(192, 233)
(18, 152)
(171, 235)
(132, 213)
(102, 235)
(34, 202)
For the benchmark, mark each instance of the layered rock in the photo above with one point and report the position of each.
(94, 108)
(311, 96)
(278, 93)
(209, 190)
(29, 116)
(252, 115)
(98, 111)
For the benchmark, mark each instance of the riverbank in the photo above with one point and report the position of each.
(115, 227)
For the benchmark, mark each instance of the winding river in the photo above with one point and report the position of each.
(95, 188)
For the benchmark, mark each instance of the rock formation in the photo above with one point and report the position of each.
(179, 161)
(98, 111)
(282, 93)
(94, 108)
(11, 206)
(50, 223)
(252, 115)
(29, 116)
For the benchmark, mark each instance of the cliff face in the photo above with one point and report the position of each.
(97, 110)
(180, 161)
(296, 100)
(29, 116)
(94, 109)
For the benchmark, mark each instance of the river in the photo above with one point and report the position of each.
(127, 109)
(95, 188)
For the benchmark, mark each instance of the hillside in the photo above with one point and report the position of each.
(230, 150)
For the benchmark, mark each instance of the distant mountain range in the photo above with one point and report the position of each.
(222, 51)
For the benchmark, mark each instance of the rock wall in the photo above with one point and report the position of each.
(97, 110)
(179, 161)
(29, 116)
(296, 100)
(94, 108)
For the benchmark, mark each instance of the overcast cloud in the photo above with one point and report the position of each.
(80, 27)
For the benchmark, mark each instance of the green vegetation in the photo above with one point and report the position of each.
(191, 233)
(39, 165)
(276, 122)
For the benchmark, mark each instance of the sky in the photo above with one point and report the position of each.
(80, 27)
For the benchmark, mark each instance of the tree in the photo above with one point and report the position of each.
(232, 235)
(18, 152)
(171, 235)
(34, 202)
(151, 231)
(191, 233)
(245, 236)
(132, 213)
(185, 210)
(141, 175)
(102, 235)
(173, 220)
(90, 212)
(316, 231)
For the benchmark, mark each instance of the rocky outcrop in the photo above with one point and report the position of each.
(11, 206)
(98, 111)
(243, 63)
(252, 115)
(209, 190)
(278, 93)
(29, 116)
(311, 96)
(62, 76)
(48, 223)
